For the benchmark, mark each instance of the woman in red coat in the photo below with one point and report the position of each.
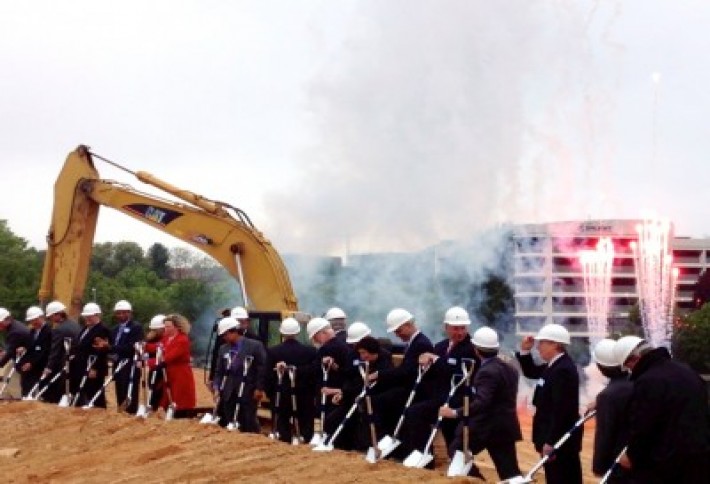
(176, 360)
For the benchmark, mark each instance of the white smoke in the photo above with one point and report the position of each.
(439, 120)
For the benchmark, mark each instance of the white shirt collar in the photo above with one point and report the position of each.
(557, 357)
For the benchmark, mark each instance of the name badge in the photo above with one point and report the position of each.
(126, 330)
(452, 361)
(38, 348)
(541, 382)
(356, 362)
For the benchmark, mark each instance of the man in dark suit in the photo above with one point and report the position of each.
(16, 336)
(338, 321)
(493, 419)
(611, 404)
(230, 370)
(37, 354)
(556, 401)
(395, 384)
(92, 343)
(63, 329)
(669, 421)
(122, 347)
(292, 353)
(336, 356)
(242, 316)
(444, 362)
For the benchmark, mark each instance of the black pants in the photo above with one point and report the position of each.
(28, 380)
(503, 454)
(123, 382)
(335, 416)
(91, 388)
(246, 418)
(306, 410)
(55, 390)
(155, 389)
(421, 418)
(565, 468)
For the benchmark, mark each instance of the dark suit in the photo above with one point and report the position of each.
(395, 384)
(556, 401)
(77, 368)
(40, 343)
(233, 376)
(123, 340)
(435, 387)
(293, 353)
(669, 424)
(16, 336)
(69, 330)
(611, 434)
(493, 418)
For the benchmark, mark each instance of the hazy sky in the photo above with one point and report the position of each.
(390, 124)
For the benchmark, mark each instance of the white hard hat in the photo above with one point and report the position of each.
(623, 348)
(123, 305)
(4, 314)
(604, 353)
(553, 332)
(157, 322)
(33, 312)
(486, 338)
(396, 318)
(54, 307)
(90, 309)
(225, 324)
(457, 316)
(335, 313)
(315, 325)
(357, 331)
(239, 313)
(289, 326)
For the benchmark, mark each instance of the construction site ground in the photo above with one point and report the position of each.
(45, 443)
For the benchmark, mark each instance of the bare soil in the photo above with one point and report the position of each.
(44, 443)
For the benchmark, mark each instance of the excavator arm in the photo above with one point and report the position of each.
(205, 224)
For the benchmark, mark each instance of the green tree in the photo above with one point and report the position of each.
(497, 307)
(158, 256)
(691, 339)
(20, 271)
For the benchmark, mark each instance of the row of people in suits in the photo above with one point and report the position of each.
(51, 343)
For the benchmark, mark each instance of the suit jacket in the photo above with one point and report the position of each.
(292, 352)
(17, 336)
(405, 374)
(493, 416)
(233, 374)
(436, 382)
(669, 420)
(40, 343)
(85, 349)
(353, 385)
(341, 354)
(611, 431)
(556, 400)
(66, 329)
(125, 347)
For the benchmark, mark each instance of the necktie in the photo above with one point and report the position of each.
(121, 328)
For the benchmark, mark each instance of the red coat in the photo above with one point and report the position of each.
(176, 357)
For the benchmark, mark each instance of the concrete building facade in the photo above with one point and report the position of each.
(548, 277)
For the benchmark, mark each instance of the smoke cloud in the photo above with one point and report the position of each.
(439, 121)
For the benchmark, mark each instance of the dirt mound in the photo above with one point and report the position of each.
(45, 443)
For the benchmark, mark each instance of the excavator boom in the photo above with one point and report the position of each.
(205, 224)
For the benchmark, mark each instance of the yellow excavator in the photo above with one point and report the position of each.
(220, 230)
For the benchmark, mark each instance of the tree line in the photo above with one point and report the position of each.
(159, 280)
